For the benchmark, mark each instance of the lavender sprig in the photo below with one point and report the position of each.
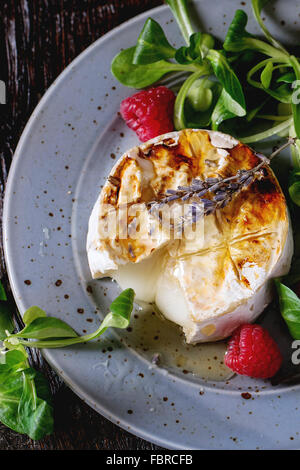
(221, 189)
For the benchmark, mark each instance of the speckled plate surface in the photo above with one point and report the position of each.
(63, 157)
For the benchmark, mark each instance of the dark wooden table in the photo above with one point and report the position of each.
(38, 39)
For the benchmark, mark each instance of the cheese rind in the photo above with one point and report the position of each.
(222, 277)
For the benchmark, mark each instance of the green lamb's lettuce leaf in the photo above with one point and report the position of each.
(152, 45)
(288, 77)
(266, 75)
(296, 95)
(11, 387)
(282, 93)
(14, 359)
(223, 110)
(191, 53)
(25, 402)
(32, 314)
(238, 39)
(232, 97)
(141, 76)
(46, 327)
(35, 411)
(295, 149)
(207, 42)
(294, 187)
(199, 46)
(200, 95)
(180, 118)
(25, 399)
(216, 105)
(257, 6)
(51, 332)
(122, 306)
(179, 9)
(289, 304)
(269, 132)
(195, 102)
(136, 76)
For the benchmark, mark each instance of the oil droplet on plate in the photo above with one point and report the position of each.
(152, 334)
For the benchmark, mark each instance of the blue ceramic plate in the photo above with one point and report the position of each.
(63, 158)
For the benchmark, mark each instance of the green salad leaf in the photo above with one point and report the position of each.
(232, 96)
(200, 95)
(288, 77)
(180, 118)
(296, 95)
(283, 91)
(46, 327)
(257, 6)
(295, 149)
(35, 410)
(237, 68)
(136, 76)
(199, 46)
(141, 76)
(294, 186)
(52, 333)
(152, 45)
(224, 110)
(266, 75)
(179, 9)
(122, 306)
(289, 304)
(32, 313)
(238, 39)
(191, 53)
(25, 399)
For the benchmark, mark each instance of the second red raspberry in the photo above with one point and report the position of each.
(253, 352)
(149, 112)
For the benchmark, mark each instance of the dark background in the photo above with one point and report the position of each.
(38, 39)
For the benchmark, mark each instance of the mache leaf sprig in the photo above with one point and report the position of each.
(276, 75)
(49, 332)
(25, 399)
(289, 304)
(209, 95)
(249, 83)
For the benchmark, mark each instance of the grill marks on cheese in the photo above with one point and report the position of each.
(195, 283)
(242, 242)
(254, 211)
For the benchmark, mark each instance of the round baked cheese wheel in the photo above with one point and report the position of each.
(220, 277)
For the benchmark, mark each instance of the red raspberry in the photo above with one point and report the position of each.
(149, 112)
(252, 351)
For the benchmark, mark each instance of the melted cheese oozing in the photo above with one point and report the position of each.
(221, 278)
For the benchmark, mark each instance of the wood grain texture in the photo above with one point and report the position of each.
(38, 39)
